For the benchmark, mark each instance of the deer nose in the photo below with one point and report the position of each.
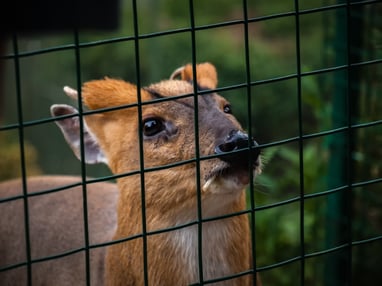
(236, 146)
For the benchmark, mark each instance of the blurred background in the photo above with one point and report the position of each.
(314, 75)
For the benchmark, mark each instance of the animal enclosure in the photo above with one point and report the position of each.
(303, 78)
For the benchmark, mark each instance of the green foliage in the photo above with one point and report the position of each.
(10, 163)
(283, 223)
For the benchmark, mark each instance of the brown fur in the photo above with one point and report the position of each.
(171, 198)
(56, 226)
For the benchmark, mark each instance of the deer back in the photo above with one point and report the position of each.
(56, 227)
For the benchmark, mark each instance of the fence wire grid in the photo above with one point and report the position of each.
(304, 78)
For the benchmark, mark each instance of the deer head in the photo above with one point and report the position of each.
(166, 125)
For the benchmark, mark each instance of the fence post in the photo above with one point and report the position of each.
(346, 45)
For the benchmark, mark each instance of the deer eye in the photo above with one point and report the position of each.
(152, 126)
(227, 108)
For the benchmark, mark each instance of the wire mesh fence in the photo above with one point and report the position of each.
(303, 77)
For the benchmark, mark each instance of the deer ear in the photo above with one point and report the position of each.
(205, 73)
(70, 128)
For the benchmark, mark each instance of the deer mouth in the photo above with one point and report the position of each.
(226, 177)
(236, 164)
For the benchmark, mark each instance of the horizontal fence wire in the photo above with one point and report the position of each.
(302, 198)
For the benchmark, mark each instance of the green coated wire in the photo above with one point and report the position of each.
(196, 142)
(77, 53)
(141, 156)
(249, 111)
(22, 159)
(300, 143)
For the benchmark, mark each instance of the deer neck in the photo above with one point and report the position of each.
(219, 238)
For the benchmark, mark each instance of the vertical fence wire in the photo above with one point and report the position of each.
(77, 52)
(248, 81)
(196, 142)
(20, 118)
(300, 143)
(348, 192)
(140, 137)
(353, 44)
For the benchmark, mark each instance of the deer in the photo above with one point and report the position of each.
(177, 212)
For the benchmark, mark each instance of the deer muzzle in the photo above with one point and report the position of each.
(238, 148)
